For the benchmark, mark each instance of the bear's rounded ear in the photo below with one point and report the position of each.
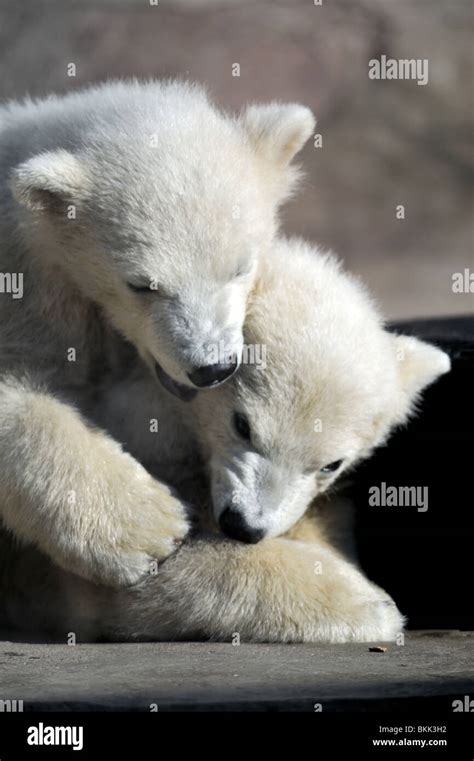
(48, 180)
(278, 130)
(420, 364)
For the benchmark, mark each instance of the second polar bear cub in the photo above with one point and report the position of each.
(334, 386)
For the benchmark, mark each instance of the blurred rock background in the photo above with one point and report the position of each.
(384, 143)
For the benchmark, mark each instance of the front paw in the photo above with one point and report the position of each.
(157, 526)
(123, 569)
(145, 531)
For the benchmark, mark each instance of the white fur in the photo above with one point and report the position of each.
(97, 500)
(125, 182)
(330, 365)
(328, 356)
(164, 188)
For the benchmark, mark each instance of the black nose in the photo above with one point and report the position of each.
(212, 375)
(234, 526)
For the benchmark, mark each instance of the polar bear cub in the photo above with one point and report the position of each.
(136, 214)
(334, 385)
(259, 451)
(155, 204)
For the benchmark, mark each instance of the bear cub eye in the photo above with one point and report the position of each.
(332, 466)
(145, 288)
(241, 426)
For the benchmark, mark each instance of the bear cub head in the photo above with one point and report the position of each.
(332, 385)
(157, 205)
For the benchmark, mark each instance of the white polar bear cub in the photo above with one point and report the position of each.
(137, 211)
(266, 445)
(155, 205)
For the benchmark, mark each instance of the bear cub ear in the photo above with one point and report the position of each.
(48, 180)
(420, 363)
(279, 130)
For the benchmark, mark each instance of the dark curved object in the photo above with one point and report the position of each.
(425, 559)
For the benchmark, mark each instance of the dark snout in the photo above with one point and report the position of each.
(235, 527)
(212, 375)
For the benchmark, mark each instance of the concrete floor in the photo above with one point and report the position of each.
(430, 671)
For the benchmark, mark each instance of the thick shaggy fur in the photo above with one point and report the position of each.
(334, 385)
(126, 184)
(146, 184)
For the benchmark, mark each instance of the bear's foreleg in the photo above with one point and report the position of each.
(280, 590)
(69, 489)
